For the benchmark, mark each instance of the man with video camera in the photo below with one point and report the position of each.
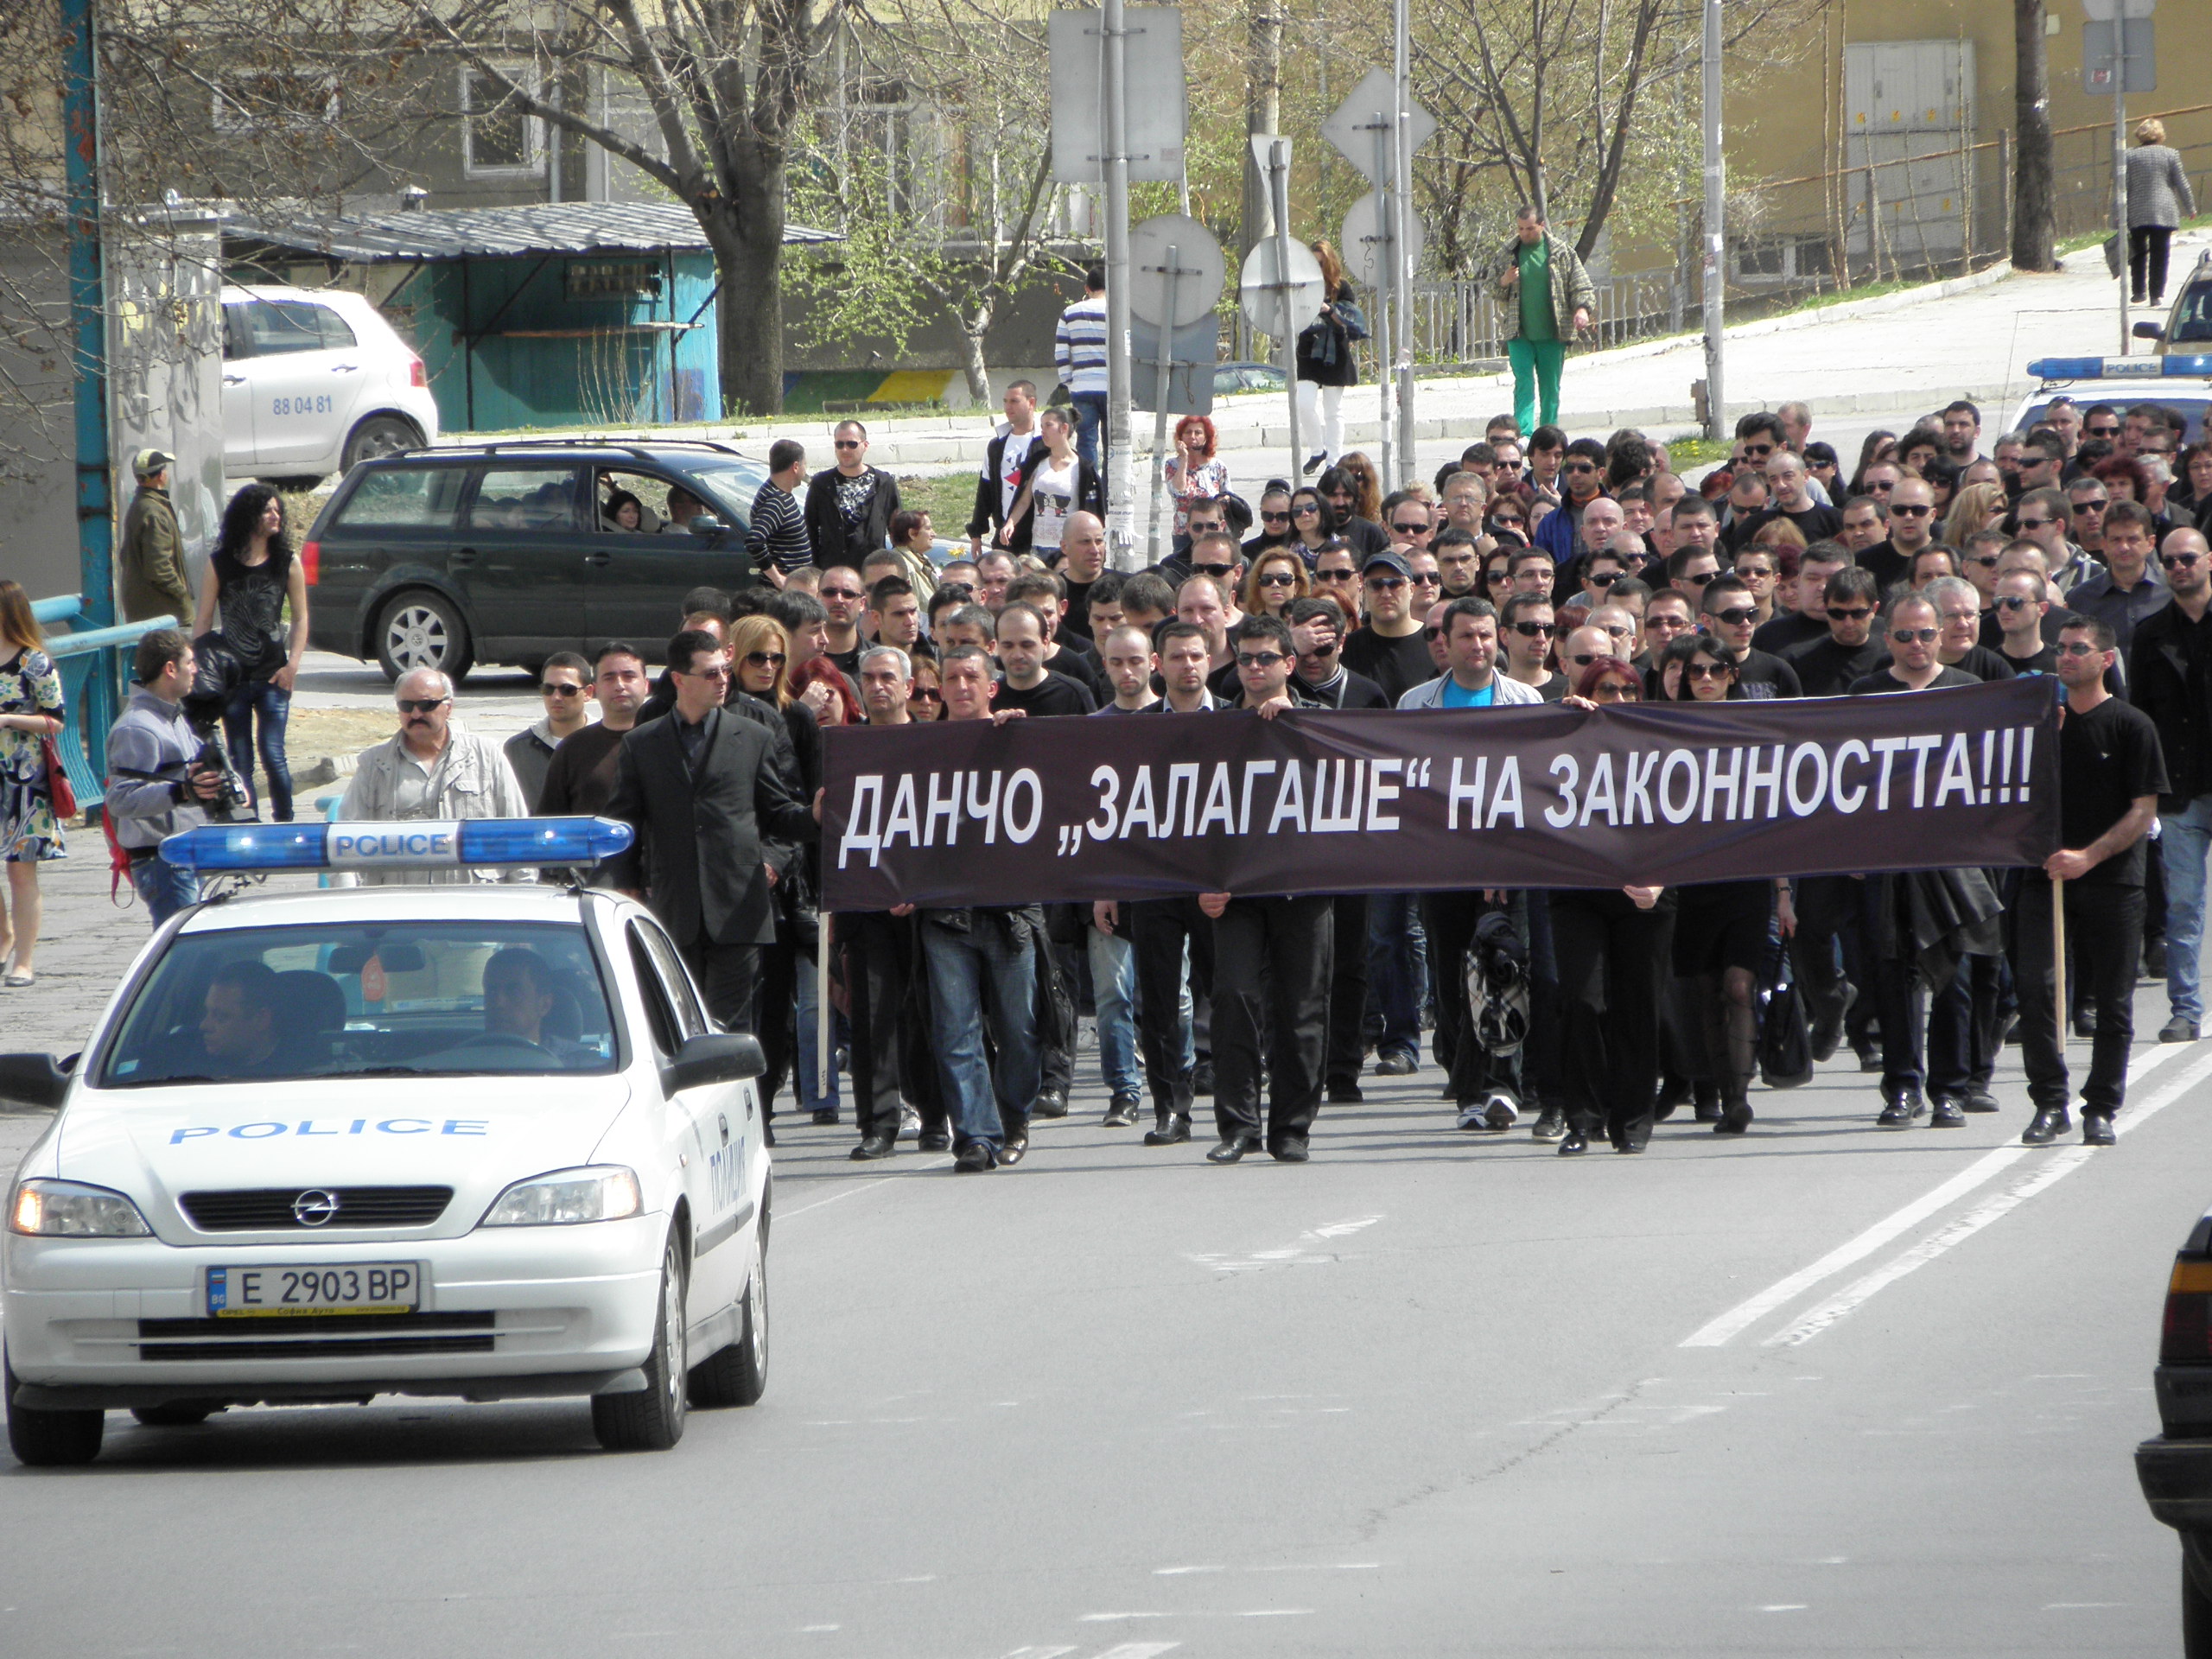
(160, 779)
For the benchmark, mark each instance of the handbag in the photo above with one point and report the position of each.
(1785, 1035)
(58, 789)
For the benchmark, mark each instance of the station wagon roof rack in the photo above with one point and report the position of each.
(641, 448)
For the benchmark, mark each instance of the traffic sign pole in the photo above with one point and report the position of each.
(1716, 262)
(2119, 161)
(1386, 287)
(1401, 253)
(1120, 509)
(1163, 362)
(1279, 187)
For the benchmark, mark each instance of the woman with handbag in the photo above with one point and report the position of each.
(253, 580)
(31, 778)
(2158, 199)
(1325, 365)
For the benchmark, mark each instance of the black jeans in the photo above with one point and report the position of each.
(2146, 245)
(729, 976)
(1347, 991)
(1160, 930)
(1271, 966)
(1613, 961)
(1828, 908)
(1450, 920)
(2104, 935)
(888, 987)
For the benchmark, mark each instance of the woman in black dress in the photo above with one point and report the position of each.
(1325, 365)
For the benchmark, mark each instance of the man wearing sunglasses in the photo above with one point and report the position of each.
(1582, 480)
(1317, 630)
(1410, 523)
(2023, 601)
(2170, 678)
(1729, 615)
(849, 507)
(431, 768)
(1911, 525)
(1526, 627)
(564, 685)
(1829, 667)
(1389, 650)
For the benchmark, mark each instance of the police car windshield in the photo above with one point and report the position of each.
(342, 999)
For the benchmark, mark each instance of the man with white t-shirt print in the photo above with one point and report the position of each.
(1000, 479)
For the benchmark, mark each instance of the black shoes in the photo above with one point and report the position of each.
(1734, 1118)
(2154, 958)
(872, 1146)
(1313, 461)
(1944, 1114)
(1870, 1058)
(1289, 1152)
(1345, 1094)
(932, 1140)
(1201, 1078)
(1051, 1103)
(1121, 1112)
(2096, 1130)
(1828, 1030)
(2177, 1030)
(2046, 1126)
(1899, 1113)
(1396, 1064)
(1170, 1131)
(974, 1159)
(1232, 1148)
(1573, 1144)
(1978, 1100)
(1550, 1125)
(825, 1115)
(2085, 1023)
(1015, 1146)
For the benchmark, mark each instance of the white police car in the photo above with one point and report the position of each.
(2179, 381)
(479, 1141)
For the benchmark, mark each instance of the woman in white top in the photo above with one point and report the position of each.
(1055, 482)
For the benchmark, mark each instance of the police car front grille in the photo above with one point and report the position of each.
(335, 1336)
(270, 1208)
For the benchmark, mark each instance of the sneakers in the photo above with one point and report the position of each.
(910, 1123)
(1492, 1116)
(1121, 1112)
(1551, 1125)
(2177, 1030)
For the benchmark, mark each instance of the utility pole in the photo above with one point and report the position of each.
(1401, 253)
(2120, 157)
(1121, 503)
(1263, 115)
(1716, 244)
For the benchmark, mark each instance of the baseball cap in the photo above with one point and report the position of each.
(147, 462)
(1389, 561)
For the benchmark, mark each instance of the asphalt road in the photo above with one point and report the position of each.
(1826, 1390)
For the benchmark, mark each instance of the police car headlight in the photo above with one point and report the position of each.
(567, 1196)
(44, 1209)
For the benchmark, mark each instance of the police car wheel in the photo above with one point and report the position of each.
(652, 1420)
(182, 1413)
(51, 1438)
(738, 1375)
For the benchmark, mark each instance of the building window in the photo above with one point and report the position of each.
(1781, 258)
(497, 137)
(271, 99)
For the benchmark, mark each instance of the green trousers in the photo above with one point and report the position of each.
(1536, 364)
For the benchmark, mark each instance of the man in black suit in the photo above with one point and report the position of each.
(701, 789)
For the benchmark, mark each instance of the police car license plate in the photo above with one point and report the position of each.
(281, 1292)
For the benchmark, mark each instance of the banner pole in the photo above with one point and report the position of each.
(2059, 950)
(821, 1005)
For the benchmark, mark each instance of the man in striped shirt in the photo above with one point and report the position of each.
(776, 538)
(1079, 354)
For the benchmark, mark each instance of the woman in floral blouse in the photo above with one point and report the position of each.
(1193, 475)
(30, 712)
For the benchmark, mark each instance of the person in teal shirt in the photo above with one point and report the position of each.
(1544, 279)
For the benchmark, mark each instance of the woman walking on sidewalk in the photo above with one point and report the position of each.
(30, 713)
(2158, 199)
(1326, 364)
(251, 577)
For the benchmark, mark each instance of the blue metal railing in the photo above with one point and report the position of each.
(91, 663)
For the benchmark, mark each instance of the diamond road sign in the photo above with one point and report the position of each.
(1351, 129)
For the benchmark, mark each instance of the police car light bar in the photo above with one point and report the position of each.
(218, 849)
(2194, 366)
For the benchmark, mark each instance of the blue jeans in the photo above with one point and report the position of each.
(1394, 975)
(972, 975)
(255, 715)
(1089, 424)
(806, 1060)
(165, 888)
(2184, 839)
(1113, 993)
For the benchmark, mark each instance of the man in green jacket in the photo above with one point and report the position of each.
(1544, 278)
(152, 555)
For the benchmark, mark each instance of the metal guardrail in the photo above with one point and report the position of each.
(91, 663)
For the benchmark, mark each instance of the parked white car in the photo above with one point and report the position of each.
(315, 380)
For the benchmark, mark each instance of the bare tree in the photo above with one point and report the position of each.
(2035, 215)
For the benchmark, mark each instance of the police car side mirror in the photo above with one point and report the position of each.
(35, 1080)
(706, 523)
(2150, 331)
(712, 1058)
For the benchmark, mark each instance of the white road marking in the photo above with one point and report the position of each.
(1041, 1653)
(863, 1186)
(811, 1629)
(1785, 1607)
(1305, 1253)
(1139, 1651)
(1178, 1572)
(2047, 1173)
(1111, 1618)
(1725, 1329)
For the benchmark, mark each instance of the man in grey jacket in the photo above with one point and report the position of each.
(154, 787)
(429, 769)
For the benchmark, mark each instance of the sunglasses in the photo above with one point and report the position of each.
(1754, 450)
(1988, 561)
(764, 660)
(841, 592)
(1428, 578)
(1602, 578)
(1335, 575)
(1705, 670)
(1850, 613)
(1911, 636)
(1907, 510)
(562, 690)
(1277, 518)
(2104, 431)
(2179, 561)
(1535, 630)
(2013, 601)
(2097, 504)
(1736, 618)
(1214, 571)
(1386, 584)
(1258, 658)
(1699, 581)
(721, 671)
(847, 443)
(420, 705)
(1583, 660)
(2077, 648)
(1579, 466)
(925, 694)
(1615, 689)
(1411, 529)
(1306, 509)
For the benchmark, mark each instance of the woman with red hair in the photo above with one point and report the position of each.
(1193, 474)
(817, 683)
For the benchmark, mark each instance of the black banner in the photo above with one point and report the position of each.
(1125, 807)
